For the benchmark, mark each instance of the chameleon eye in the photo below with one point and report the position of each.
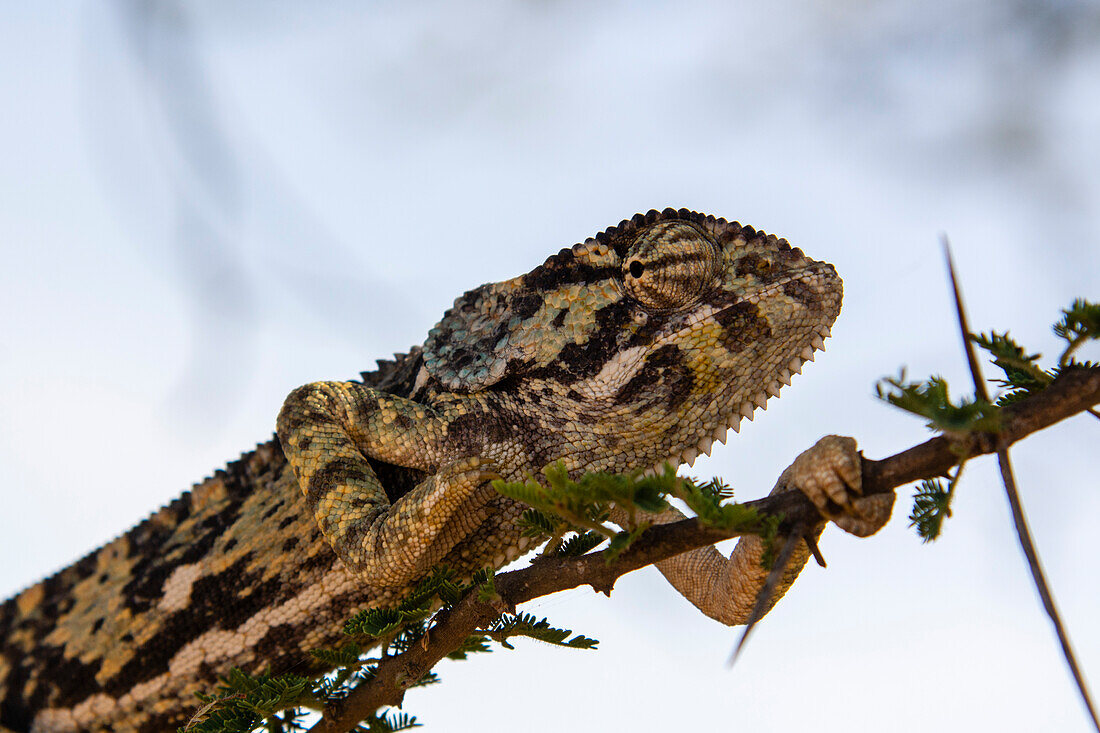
(669, 265)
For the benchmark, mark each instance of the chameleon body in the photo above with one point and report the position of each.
(642, 345)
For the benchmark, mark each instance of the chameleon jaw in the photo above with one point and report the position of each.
(748, 407)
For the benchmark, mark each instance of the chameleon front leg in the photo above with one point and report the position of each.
(326, 428)
(726, 588)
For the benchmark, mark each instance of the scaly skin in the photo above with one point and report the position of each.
(642, 345)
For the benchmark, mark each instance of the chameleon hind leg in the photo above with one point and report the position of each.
(327, 428)
(726, 588)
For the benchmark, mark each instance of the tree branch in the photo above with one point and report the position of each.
(1075, 390)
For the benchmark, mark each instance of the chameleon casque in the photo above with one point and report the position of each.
(642, 345)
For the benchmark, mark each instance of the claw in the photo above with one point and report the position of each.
(811, 543)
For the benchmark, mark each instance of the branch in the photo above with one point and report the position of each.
(1075, 390)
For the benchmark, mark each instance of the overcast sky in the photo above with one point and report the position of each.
(206, 204)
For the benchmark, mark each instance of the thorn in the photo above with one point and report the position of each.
(1023, 533)
(811, 542)
(765, 594)
(817, 342)
(964, 327)
(760, 401)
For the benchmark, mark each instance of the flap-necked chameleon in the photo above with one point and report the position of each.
(644, 344)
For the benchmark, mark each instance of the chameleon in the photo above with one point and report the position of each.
(642, 345)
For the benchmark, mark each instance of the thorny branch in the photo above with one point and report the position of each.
(1072, 392)
(1019, 521)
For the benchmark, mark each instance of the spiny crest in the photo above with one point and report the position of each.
(397, 375)
(725, 233)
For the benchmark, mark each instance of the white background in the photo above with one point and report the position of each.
(206, 204)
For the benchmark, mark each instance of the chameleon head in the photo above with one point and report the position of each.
(645, 343)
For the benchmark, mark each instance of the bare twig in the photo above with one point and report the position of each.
(1018, 518)
(1072, 392)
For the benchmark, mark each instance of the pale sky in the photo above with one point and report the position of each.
(206, 205)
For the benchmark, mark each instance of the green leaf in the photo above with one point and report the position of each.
(474, 644)
(931, 506)
(243, 701)
(439, 584)
(535, 523)
(1080, 322)
(1021, 370)
(930, 399)
(346, 656)
(707, 501)
(431, 678)
(375, 622)
(410, 634)
(578, 544)
(524, 624)
(563, 505)
(388, 722)
(485, 582)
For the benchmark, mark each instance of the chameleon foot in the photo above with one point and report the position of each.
(829, 475)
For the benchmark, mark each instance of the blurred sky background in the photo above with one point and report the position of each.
(205, 204)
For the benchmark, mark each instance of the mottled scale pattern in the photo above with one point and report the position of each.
(644, 344)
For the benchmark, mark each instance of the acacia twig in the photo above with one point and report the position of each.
(1074, 391)
(1019, 520)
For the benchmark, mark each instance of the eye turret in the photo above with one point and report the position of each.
(670, 266)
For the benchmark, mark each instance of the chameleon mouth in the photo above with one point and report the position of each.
(747, 408)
